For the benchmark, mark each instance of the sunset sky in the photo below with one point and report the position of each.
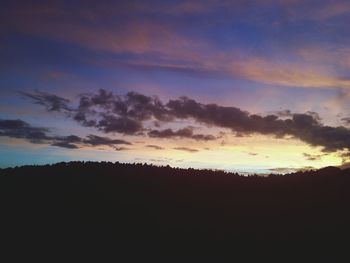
(248, 85)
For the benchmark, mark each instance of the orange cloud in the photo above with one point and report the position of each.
(287, 74)
(336, 55)
(133, 36)
(169, 49)
(333, 9)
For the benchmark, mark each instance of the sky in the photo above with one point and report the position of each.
(254, 86)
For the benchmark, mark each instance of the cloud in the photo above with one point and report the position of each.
(155, 147)
(331, 10)
(335, 54)
(22, 130)
(95, 140)
(186, 149)
(68, 142)
(302, 126)
(287, 170)
(49, 101)
(122, 114)
(65, 145)
(78, 25)
(345, 165)
(186, 132)
(106, 111)
(314, 114)
(75, 142)
(299, 74)
(157, 43)
(346, 120)
(128, 114)
(110, 123)
(289, 114)
(286, 73)
(121, 149)
(313, 157)
(284, 113)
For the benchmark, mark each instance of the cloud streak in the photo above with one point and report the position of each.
(186, 132)
(156, 147)
(346, 120)
(313, 157)
(150, 43)
(186, 149)
(49, 101)
(20, 129)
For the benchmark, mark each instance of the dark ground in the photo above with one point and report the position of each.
(142, 211)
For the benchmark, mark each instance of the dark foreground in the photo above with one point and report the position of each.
(142, 211)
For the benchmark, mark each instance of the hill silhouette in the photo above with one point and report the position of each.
(142, 205)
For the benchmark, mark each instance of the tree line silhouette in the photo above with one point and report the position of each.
(151, 205)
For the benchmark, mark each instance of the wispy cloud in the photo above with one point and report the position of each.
(186, 132)
(313, 157)
(332, 9)
(22, 130)
(186, 149)
(288, 74)
(154, 147)
(346, 120)
(151, 43)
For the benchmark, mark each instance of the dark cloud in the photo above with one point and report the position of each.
(71, 141)
(315, 115)
(345, 156)
(49, 101)
(127, 115)
(121, 149)
(313, 157)
(289, 114)
(65, 145)
(22, 130)
(241, 135)
(110, 123)
(68, 142)
(284, 113)
(104, 110)
(182, 133)
(301, 126)
(346, 120)
(286, 170)
(345, 165)
(95, 140)
(158, 160)
(186, 149)
(155, 147)
(142, 107)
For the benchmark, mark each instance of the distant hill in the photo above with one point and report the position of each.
(148, 206)
(166, 170)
